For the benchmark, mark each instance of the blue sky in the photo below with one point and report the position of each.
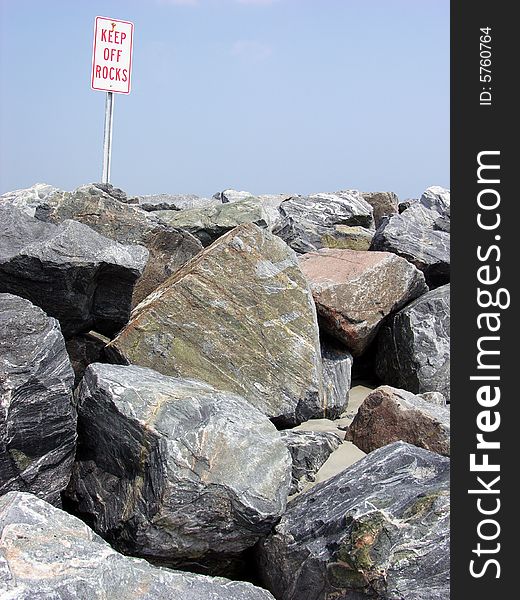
(295, 96)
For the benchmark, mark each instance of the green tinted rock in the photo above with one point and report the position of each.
(209, 223)
(239, 316)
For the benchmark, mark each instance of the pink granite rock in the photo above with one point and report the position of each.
(389, 415)
(354, 291)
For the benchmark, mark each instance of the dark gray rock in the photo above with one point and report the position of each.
(37, 418)
(389, 414)
(309, 450)
(76, 275)
(384, 204)
(413, 350)
(175, 202)
(379, 529)
(47, 554)
(312, 222)
(337, 377)
(83, 350)
(169, 248)
(405, 204)
(174, 470)
(421, 234)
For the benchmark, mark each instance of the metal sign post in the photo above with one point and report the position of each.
(107, 138)
(111, 72)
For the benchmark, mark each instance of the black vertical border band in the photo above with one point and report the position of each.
(477, 128)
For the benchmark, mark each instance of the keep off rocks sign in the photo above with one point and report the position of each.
(112, 55)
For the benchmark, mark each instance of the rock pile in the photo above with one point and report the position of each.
(177, 372)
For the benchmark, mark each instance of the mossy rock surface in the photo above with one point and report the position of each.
(240, 316)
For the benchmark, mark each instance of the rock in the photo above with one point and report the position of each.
(83, 350)
(412, 236)
(337, 368)
(74, 274)
(421, 235)
(354, 291)
(209, 223)
(309, 450)
(437, 198)
(379, 529)
(230, 195)
(351, 238)
(388, 415)
(116, 193)
(49, 554)
(169, 247)
(434, 398)
(384, 204)
(269, 202)
(413, 350)
(428, 218)
(312, 222)
(239, 316)
(173, 469)
(405, 204)
(175, 202)
(37, 418)
(29, 199)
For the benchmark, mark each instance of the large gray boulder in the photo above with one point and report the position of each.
(317, 221)
(354, 291)
(211, 222)
(309, 450)
(239, 316)
(421, 234)
(76, 275)
(379, 529)
(47, 554)
(389, 414)
(413, 348)
(37, 418)
(174, 470)
(169, 247)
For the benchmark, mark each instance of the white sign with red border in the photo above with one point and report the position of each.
(112, 55)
